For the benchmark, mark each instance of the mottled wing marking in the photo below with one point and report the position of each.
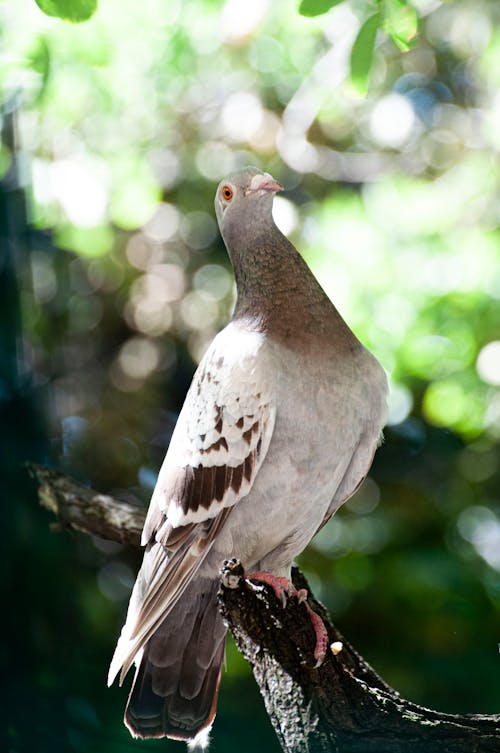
(221, 437)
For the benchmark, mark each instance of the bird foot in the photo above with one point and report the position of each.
(282, 588)
(320, 633)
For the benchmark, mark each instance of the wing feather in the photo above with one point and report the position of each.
(221, 437)
(218, 445)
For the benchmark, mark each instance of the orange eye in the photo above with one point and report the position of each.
(227, 193)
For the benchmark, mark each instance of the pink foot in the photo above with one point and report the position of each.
(282, 588)
(321, 636)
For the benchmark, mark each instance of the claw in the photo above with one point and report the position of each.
(282, 588)
(321, 636)
(301, 595)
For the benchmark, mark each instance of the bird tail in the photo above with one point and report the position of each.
(174, 693)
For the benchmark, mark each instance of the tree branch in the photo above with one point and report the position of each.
(82, 509)
(342, 705)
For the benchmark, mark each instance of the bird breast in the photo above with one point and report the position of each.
(324, 405)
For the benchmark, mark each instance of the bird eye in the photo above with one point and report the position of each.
(227, 193)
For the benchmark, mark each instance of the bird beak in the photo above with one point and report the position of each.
(263, 183)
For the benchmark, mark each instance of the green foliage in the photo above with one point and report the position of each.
(362, 53)
(39, 61)
(397, 18)
(312, 8)
(75, 11)
(401, 23)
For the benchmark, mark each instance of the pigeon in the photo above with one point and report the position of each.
(278, 430)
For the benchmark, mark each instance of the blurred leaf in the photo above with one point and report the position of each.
(69, 10)
(312, 8)
(5, 159)
(401, 23)
(135, 196)
(39, 61)
(85, 241)
(362, 53)
(39, 58)
(445, 402)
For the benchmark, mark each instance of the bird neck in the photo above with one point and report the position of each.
(277, 293)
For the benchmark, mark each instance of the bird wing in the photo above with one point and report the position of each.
(358, 467)
(221, 436)
(219, 443)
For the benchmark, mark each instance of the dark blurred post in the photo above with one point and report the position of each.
(13, 236)
(21, 431)
(22, 437)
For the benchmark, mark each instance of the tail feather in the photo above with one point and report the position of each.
(160, 582)
(175, 688)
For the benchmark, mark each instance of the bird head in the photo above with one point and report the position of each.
(243, 196)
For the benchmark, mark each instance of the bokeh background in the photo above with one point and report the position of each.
(113, 279)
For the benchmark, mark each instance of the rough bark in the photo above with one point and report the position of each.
(341, 707)
(83, 509)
